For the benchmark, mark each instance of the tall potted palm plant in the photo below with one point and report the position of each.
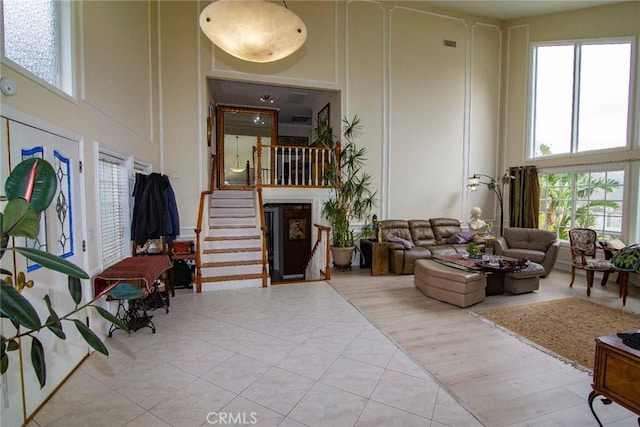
(351, 195)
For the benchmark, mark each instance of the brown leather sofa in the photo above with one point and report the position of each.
(429, 237)
(540, 246)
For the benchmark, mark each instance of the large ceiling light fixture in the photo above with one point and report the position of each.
(256, 31)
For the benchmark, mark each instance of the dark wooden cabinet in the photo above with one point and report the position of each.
(374, 255)
(616, 374)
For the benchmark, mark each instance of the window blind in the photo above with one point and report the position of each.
(114, 208)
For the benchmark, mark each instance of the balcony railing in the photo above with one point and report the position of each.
(293, 166)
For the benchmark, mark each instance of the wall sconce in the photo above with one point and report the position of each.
(481, 179)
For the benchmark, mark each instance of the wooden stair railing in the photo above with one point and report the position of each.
(198, 230)
(322, 231)
(295, 166)
(257, 155)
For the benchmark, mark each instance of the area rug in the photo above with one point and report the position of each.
(566, 327)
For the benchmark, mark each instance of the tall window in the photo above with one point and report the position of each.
(581, 97)
(583, 199)
(114, 191)
(37, 38)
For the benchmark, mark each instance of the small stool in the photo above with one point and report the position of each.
(448, 284)
(525, 280)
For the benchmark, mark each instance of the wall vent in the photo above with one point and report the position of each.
(296, 97)
(300, 119)
(449, 43)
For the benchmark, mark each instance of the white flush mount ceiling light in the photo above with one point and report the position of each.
(256, 31)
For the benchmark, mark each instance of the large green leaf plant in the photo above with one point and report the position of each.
(351, 190)
(29, 191)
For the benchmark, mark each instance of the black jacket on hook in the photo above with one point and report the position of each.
(155, 212)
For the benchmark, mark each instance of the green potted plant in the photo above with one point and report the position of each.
(351, 195)
(29, 190)
(473, 249)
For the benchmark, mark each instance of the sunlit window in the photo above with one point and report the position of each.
(589, 199)
(37, 38)
(580, 97)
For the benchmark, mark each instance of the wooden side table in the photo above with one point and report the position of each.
(375, 255)
(616, 374)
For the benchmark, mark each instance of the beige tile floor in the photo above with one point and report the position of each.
(296, 355)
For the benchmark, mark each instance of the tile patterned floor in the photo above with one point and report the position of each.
(302, 355)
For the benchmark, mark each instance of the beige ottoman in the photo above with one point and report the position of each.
(525, 280)
(457, 287)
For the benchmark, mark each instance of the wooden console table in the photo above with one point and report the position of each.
(616, 375)
(375, 255)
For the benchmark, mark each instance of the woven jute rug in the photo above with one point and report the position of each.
(566, 327)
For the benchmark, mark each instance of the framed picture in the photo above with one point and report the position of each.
(323, 116)
(299, 141)
(297, 228)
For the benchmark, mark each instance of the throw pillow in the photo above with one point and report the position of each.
(405, 243)
(461, 237)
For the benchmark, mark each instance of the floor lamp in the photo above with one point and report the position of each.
(480, 179)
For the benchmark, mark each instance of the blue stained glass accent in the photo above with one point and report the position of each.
(40, 242)
(64, 223)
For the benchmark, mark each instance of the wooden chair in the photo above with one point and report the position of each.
(583, 256)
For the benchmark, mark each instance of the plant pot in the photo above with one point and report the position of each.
(342, 257)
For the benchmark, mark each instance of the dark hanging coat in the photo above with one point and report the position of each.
(152, 213)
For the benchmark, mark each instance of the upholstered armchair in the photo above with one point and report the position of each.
(583, 256)
(540, 246)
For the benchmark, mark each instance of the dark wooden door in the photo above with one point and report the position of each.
(296, 237)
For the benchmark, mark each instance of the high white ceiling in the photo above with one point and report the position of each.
(295, 104)
(512, 9)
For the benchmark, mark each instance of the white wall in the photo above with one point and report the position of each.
(616, 20)
(422, 105)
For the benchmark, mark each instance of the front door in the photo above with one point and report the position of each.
(60, 234)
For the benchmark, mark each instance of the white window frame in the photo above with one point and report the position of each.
(631, 108)
(66, 87)
(628, 200)
(131, 165)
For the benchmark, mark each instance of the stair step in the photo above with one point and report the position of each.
(231, 244)
(231, 263)
(233, 221)
(232, 212)
(226, 256)
(233, 194)
(232, 203)
(233, 282)
(232, 270)
(231, 250)
(238, 232)
(231, 277)
(221, 238)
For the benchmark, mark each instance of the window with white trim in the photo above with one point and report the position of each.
(587, 199)
(37, 40)
(114, 196)
(580, 96)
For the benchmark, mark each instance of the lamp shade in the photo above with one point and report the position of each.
(256, 31)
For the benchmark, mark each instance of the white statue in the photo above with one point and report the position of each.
(475, 222)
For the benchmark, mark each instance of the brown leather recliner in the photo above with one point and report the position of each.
(540, 246)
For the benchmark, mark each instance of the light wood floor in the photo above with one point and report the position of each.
(501, 379)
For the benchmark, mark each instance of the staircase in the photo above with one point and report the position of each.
(232, 252)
